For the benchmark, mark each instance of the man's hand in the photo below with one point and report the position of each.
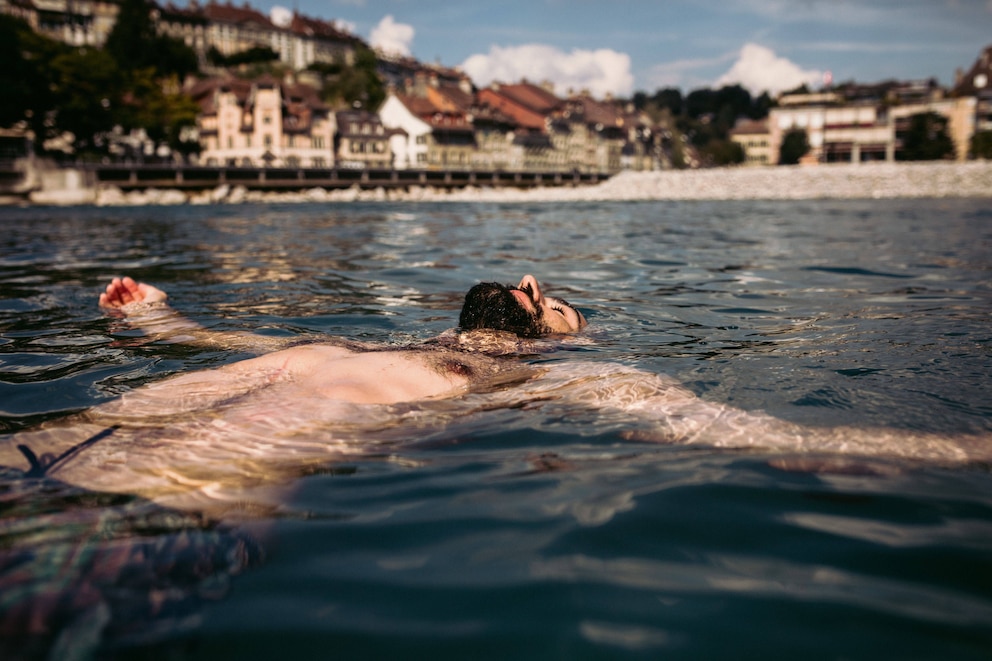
(121, 292)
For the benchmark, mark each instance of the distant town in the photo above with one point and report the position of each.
(132, 81)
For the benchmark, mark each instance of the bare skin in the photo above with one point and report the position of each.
(559, 316)
(200, 440)
(336, 372)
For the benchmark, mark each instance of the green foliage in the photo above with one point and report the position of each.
(254, 55)
(663, 103)
(25, 76)
(795, 145)
(925, 139)
(981, 144)
(134, 44)
(88, 89)
(706, 117)
(723, 152)
(359, 84)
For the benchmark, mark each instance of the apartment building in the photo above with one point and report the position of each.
(227, 27)
(857, 123)
(361, 141)
(976, 83)
(434, 123)
(263, 123)
(74, 22)
(755, 139)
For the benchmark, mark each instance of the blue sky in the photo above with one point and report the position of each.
(621, 46)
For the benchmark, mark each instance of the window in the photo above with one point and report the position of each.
(266, 118)
(317, 142)
(422, 139)
(268, 140)
(230, 142)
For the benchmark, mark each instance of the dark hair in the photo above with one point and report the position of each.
(492, 305)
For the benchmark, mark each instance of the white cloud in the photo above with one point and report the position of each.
(759, 69)
(392, 37)
(600, 71)
(345, 26)
(280, 16)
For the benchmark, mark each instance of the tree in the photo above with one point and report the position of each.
(88, 89)
(253, 55)
(25, 77)
(724, 152)
(925, 139)
(981, 144)
(135, 44)
(795, 145)
(356, 84)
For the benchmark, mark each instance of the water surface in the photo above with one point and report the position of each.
(525, 533)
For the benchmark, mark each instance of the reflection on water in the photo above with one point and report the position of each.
(525, 529)
(79, 569)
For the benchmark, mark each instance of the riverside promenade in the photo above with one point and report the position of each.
(826, 181)
(833, 181)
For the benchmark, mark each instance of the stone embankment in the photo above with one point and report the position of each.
(836, 181)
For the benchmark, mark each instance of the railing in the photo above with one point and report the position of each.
(130, 177)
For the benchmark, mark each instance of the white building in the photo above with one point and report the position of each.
(410, 135)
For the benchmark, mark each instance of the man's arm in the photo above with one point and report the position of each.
(657, 409)
(144, 307)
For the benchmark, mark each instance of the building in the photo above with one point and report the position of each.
(361, 141)
(976, 84)
(74, 22)
(436, 124)
(318, 41)
(867, 128)
(532, 109)
(755, 139)
(530, 106)
(590, 134)
(410, 131)
(836, 131)
(263, 123)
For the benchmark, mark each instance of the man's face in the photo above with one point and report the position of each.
(523, 310)
(554, 313)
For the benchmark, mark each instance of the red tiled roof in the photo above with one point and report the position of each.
(451, 98)
(228, 13)
(418, 105)
(749, 127)
(983, 65)
(531, 96)
(432, 114)
(315, 27)
(596, 112)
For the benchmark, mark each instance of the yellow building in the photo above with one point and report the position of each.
(755, 139)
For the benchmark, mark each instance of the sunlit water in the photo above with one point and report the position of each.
(526, 530)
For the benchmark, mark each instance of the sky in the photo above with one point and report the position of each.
(619, 47)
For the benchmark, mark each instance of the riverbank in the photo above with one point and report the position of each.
(835, 181)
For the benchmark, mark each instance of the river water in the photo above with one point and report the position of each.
(530, 532)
